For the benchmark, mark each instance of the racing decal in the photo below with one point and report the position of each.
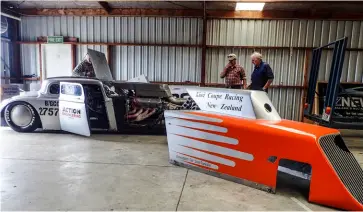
(231, 103)
(349, 102)
(193, 161)
(51, 103)
(50, 108)
(45, 111)
(193, 145)
(71, 112)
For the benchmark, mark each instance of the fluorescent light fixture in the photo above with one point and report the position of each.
(250, 6)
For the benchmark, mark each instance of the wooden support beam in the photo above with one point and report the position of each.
(73, 55)
(221, 85)
(40, 62)
(114, 12)
(223, 14)
(105, 6)
(115, 44)
(204, 46)
(275, 14)
(305, 83)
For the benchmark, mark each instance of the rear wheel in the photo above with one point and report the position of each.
(21, 117)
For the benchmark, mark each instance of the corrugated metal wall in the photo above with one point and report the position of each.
(287, 64)
(288, 33)
(167, 64)
(30, 59)
(159, 63)
(284, 33)
(179, 64)
(115, 29)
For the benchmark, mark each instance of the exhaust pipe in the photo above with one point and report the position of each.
(132, 111)
(144, 116)
(135, 115)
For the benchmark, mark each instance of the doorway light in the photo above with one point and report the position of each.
(250, 6)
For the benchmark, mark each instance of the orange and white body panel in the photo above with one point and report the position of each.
(240, 146)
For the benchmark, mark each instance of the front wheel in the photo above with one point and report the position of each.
(21, 117)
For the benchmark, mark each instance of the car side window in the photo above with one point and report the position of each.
(54, 88)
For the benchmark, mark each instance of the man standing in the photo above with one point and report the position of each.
(84, 68)
(234, 74)
(262, 75)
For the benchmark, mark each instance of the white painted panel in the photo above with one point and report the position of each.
(56, 60)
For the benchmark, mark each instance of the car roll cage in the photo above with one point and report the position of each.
(327, 117)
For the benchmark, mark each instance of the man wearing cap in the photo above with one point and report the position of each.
(262, 75)
(234, 74)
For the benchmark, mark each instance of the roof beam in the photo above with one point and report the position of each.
(268, 14)
(275, 14)
(105, 6)
(114, 12)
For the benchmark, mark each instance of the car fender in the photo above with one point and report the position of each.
(48, 113)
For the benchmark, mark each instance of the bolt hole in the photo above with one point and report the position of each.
(268, 107)
(272, 159)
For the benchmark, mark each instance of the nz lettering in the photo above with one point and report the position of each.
(231, 107)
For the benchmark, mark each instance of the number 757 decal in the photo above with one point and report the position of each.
(44, 111)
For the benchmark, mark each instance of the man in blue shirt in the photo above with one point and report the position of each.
(262, 75)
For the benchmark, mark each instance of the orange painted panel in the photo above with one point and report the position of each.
(241, 147)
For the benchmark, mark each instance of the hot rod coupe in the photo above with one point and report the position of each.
(81, 105)
(233, 134)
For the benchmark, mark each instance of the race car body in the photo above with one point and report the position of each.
(239, 136)
(81, 105)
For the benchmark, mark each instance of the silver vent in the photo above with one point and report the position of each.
(344, 163)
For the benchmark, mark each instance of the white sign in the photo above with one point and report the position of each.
(226, 102)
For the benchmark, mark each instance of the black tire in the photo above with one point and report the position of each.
(32, 126)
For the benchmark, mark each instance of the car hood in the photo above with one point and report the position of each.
(100, 65)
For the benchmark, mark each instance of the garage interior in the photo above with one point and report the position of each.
(172, 42)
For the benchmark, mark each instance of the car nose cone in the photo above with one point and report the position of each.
(21, 115)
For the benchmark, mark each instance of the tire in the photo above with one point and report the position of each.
(32, 122)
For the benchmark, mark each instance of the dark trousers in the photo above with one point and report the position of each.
(235, 86)
(260, 90)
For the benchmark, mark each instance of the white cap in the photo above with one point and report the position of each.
(232, 57)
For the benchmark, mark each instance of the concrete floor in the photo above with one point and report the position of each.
(114, 172)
